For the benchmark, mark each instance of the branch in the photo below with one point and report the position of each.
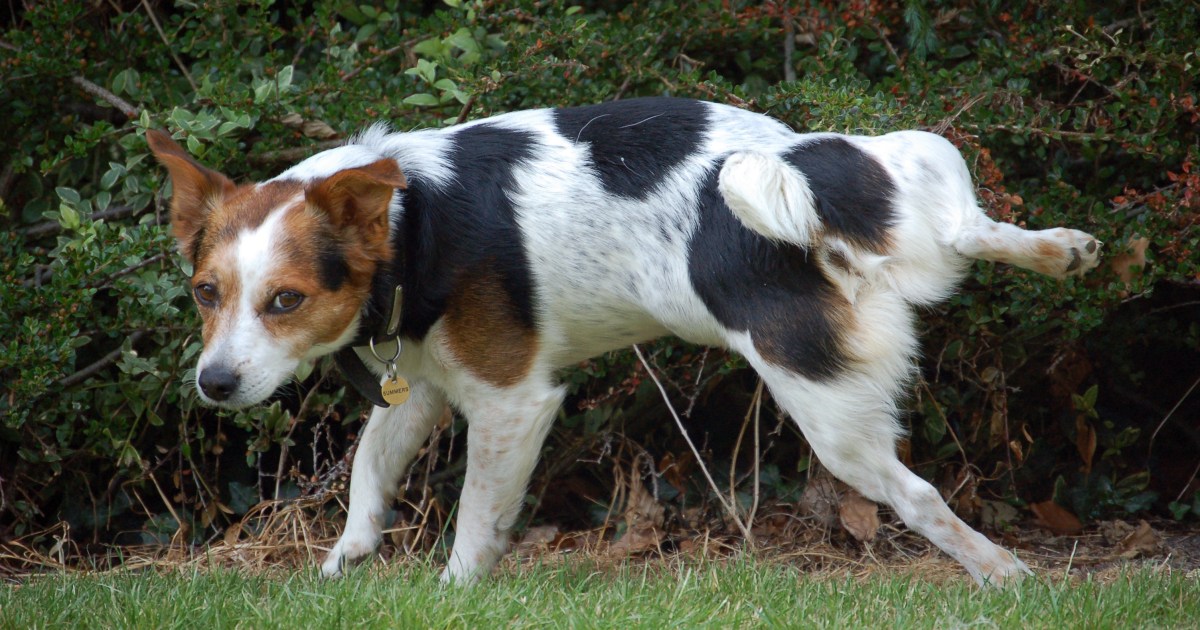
(731, 509)
(51, 228)
(103, 362)
(158, 27)
(373, 60)
(292, 154)
(105, 95)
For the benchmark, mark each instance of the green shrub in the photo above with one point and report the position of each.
(1069, 115)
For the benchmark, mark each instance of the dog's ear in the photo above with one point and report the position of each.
(196, 189)
(358, 198)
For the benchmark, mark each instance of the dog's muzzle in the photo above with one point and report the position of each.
(218, 382)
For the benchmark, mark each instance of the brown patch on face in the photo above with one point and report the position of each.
(484, 331)
(307, 258)
(331, 237)
(332, 296)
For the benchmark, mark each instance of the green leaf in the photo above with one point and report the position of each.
(68, 195)
(422, 99)
(284, 78)
(463, 40)
(68, 217)
(430, 48)
(110, 177)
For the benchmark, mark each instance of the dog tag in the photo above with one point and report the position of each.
(395, 390)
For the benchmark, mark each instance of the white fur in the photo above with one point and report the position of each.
(770, 197)
(610, 270)
(244, 344)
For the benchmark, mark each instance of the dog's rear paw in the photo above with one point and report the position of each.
(345, 554)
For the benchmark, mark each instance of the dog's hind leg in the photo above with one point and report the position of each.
(849, 421)
(507, 427)
(1057, 252)
(392, 438)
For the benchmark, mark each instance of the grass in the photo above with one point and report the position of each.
(734, 593)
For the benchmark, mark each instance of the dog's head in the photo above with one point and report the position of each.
(281, 269)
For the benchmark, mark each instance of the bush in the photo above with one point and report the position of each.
(1031, 388)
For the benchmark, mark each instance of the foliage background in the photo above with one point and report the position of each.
(1070, 113)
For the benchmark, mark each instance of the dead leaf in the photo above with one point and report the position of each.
(1056, 518)
(1085, 441)
(233, 533)
(535, 538)
(292, 120)
(859, 516)
(318, 129)
(998, 514)
(1140, 541)
(644, 517)
(820, 499)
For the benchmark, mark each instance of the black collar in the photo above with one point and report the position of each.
(349, 361)
(380, 319)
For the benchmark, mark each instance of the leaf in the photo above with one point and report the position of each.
(421, 99)
(285, 77)
(1056, 518)
(462, 39)
(430, 48)
(1141, 541)
(110, 177)
(859, 516)
(1085, 441)
(318, 129)
(68, 195)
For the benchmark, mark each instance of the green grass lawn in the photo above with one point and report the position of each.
(736, 593)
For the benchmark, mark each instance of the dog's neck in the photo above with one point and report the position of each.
(381, 317)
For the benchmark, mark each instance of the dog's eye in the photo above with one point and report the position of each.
(206, 294)
(286, 301)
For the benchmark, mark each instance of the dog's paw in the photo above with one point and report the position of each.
(1080, 252)
(1003, 571)
(348, 552)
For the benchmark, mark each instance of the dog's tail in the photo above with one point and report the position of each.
(770, 197)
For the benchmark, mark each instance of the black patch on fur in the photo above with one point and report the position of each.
(634, 143)
(773, 290)
(853, 191)
(332, 270)
(464, 226)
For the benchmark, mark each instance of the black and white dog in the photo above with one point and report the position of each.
(476, 261)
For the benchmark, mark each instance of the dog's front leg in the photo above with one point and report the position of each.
(391, 439)
(507, 429)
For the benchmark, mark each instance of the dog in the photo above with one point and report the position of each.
(466, 265)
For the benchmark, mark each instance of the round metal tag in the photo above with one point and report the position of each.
(395, 390)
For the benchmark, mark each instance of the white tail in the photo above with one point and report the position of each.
(770, 197)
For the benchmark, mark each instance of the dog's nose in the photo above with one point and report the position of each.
(218, 382)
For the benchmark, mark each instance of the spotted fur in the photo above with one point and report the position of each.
(530, 241)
